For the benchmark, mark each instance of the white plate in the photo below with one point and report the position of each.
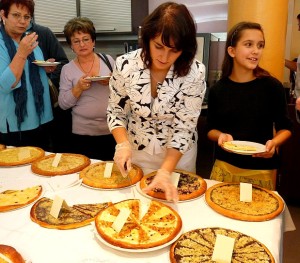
(96, 78)
(46, 63)
(138, 188)
(137, 250)
(260, 148)
(19, 184)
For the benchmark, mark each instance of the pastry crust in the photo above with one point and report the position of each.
(159, 225)
(224, 198)
(10, 254)
(190, 186)
(11, 156)
(73, 217)
(13, 199)
(93, 176)
(69, 163)
(197, 246)
(2, 147)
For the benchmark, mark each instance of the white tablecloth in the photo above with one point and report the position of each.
(42, 245)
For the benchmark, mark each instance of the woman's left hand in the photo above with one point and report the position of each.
(162, 180)
(50, 69)
(270, 150)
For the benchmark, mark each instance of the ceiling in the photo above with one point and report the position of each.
(210, 15)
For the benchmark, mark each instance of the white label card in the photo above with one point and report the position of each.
(223, 249)
(57, 204)
(175, 178)
(56, 159)
(24, 153)
(121, 219)
(108, 170)
(144, 207)
(245, 192)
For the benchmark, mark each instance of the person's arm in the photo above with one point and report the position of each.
(219, 137)
(292, 65)
(26, 46)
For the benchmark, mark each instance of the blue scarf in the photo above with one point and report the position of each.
(20, 94)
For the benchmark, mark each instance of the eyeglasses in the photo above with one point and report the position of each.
(77, 42)
(18, 17)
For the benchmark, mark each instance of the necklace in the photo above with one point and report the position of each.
(157, 82)
(86, 72)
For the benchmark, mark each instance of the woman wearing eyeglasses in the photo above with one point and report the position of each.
(88, 99)
(25, 107)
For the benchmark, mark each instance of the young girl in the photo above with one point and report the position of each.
(247, 104)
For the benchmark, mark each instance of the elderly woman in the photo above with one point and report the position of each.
(88, 99)
(25, 107)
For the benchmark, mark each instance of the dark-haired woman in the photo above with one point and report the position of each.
(25, 107)
(156, 97)
(247, 104)
(87, 99)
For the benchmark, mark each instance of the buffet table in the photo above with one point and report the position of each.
(42, 245)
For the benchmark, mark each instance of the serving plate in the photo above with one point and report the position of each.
(46, 63)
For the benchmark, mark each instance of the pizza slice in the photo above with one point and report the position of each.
(13, 199)
(69, 218)
(239, 147)
(190, 186)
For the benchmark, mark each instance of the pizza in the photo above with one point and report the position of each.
(224, 198)
(157, 225)
(2, 147)
(13, 199)
(75, 216)
(198, 245)
(20, 155)
(190, 186)
(93, 176)
(239, 147)
(69, 163)
(9, 254)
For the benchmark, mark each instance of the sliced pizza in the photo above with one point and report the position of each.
(69, 218)
(9, 254)
(224, 198)
(68, 163)
(142, 229)
(190, 186)
(94, 176)
(2, 147)
(13, 199)
(20, 155)
(198, 245)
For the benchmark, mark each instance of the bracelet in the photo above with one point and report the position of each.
(22, 57)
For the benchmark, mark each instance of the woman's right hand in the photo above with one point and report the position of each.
(27, 44)
(122, 158)
(224, 137)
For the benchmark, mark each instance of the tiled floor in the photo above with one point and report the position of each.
(291, 240)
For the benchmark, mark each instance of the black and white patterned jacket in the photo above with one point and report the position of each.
(171, 117)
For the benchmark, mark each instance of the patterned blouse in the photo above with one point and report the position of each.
(167, 121)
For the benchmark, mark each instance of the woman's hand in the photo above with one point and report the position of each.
(122, 158)
(50, 69)
(163, 181)
(224, 137)
(83, 83)
(270, 150)
(27, 44)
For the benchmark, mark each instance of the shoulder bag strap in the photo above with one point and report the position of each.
(105, 60)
